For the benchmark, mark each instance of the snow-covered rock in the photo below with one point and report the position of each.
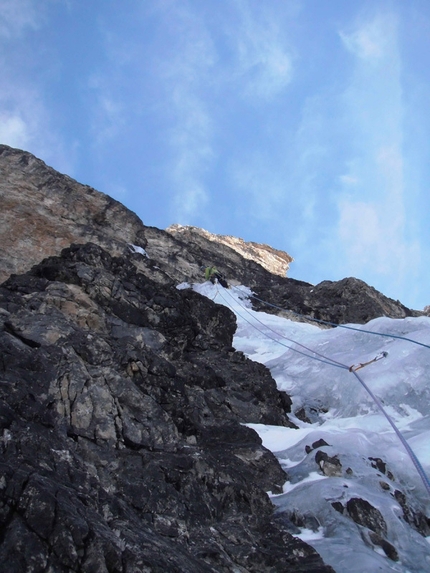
(350, 481)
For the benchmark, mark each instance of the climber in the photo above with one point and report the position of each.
(213, 275)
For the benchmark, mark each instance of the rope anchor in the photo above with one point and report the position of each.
(355, 367)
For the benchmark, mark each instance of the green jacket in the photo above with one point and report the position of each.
(209, 272)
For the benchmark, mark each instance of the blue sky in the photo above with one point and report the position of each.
(303, 124)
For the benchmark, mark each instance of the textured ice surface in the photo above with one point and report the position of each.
(343, 414)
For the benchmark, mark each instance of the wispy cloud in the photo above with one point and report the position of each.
(190, 73)
(348, 179)
(17, 120)
(185, 73)
(13, 130)
(191, 141)
(256, 76)
(372, 40)
(264, 64)
(17, 16)
(23, 117)
(352, 198)
(25, 123)
(25, 120)
(108, 114)
(372, 229)
(158, 82)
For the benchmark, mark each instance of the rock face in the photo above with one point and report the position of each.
(122, 400)
(273, 260)
(121, 406)
(349, 300)
(43, 212)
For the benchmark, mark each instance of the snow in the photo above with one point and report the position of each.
(137, 249)
(308, 535)
(278, 438)
(342, 413)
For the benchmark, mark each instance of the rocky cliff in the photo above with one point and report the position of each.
(121, 407)
(273, 260)
(43, 212)
(122, 399)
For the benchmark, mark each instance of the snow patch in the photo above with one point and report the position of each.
(137, 249)
(308, 535)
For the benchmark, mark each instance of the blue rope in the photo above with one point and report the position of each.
(339, 325)
(337, 364)
(327, 360)
(407, 447)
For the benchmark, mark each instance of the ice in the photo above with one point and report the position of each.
(278, 438)
(309, 535)
(137, 249)
(344, 415)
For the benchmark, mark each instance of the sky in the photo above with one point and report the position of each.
(302, 124)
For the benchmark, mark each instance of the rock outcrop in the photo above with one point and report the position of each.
(273, 260)
(121, 412)
(43, 212)
(349, 300)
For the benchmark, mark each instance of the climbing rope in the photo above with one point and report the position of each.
(407, 447)
(324, 359)
(388, 335)
(353, 369)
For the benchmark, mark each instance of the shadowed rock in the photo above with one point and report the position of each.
(121, 419)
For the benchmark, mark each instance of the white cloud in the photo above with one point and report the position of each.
(14, 131)
(367, 42)
(372, 244)
(186, 77)
(264, 62)
(348, 179)
(372, 238)
(108, 116)
(176, 67)
(25, 120)
(363, 237)
(17, 16)
(190, 141)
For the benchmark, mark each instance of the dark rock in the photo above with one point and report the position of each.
(363, 513)
(378, 464)
(330, 466)
(121, 411)
(318, 444)
(389, 549)
(311, 413)
(302, 416)
(416, 518)
(347, 301)
(307, 520)
(337, 505)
